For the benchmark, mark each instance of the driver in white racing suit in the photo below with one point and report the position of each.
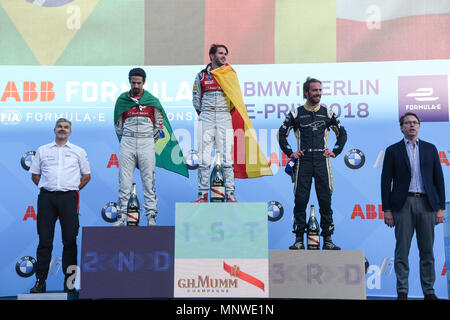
(139, 129)
(215, 125)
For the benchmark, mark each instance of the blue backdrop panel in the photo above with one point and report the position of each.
(367, 97)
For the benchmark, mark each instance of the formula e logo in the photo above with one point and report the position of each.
(423, 94)
(314, 125)
(191, 159)
(354, 159)
(26, 159)
(426, 96)
(274, 210)
(109, 212)
(26, 266)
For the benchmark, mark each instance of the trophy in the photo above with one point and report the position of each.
(133, 208)
(313, 229)
(217, 181)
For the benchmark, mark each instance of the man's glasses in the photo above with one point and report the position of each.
(411, 122)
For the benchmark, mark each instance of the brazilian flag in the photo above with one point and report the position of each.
(167, 151)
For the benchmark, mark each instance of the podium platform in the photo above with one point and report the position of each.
(317, 274)
(127, 262)
(48, 296)
(221, 250)
(215, 250)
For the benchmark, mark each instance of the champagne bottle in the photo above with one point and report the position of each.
(217, 181)
(313, 229)
(133, 208)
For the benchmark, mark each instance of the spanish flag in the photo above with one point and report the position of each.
(249, 160)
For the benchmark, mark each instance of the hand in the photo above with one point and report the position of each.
(328, 153)
(389, 219)
(439, 216)
(296, 154)
(157, 134)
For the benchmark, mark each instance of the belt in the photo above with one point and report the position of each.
(137, 135)
(217, 109)
(416, 194)
(55, 192)
(313, 150)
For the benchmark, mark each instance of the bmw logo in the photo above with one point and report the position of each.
(354, 159)
(191, 159)
(275, 210)
(26, 266)
(109, 212)
(26, 159)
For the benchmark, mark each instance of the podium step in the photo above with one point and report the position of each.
(48, 296)
(317, 274)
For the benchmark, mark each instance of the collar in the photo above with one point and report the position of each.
(136, 98)
(67, 144)
(407, 142)
(209, 67)
(311, 108)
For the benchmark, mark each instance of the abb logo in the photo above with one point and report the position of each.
(113, 161)
(274, 159)
(371, 212)
(30, 92)
(30, 213)
(443, 158)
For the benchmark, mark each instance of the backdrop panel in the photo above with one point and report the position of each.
(367, 97)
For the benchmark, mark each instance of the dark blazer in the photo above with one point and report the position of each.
(396, 176)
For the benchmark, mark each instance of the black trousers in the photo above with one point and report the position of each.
(51, 206)
(313, 167)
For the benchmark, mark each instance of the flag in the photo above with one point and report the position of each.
(168, 153)
(249, 160)
(379, 30)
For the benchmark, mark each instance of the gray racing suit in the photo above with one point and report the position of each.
(214, 129)
(138, 136)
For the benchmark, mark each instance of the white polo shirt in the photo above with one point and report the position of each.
(60, 167)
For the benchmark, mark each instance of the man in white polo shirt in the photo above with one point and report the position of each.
(60, 169)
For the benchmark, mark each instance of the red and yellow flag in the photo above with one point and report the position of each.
(249, 160)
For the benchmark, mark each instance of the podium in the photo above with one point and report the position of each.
(221, 250)
(48, 296)
(127, 262)
(317, 274)
(215, 250)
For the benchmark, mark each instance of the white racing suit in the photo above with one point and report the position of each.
(139, 128)
(214, 128)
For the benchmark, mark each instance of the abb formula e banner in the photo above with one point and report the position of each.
(368, 98)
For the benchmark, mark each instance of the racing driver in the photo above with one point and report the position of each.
(311, 123)
(138, 125)
(215, 125)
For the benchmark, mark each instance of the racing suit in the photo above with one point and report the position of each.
(214, 126)
(313, 127)
(139, 128)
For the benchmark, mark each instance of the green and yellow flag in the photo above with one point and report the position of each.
(167, 151)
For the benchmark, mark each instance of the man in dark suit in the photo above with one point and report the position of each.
(413, 197)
